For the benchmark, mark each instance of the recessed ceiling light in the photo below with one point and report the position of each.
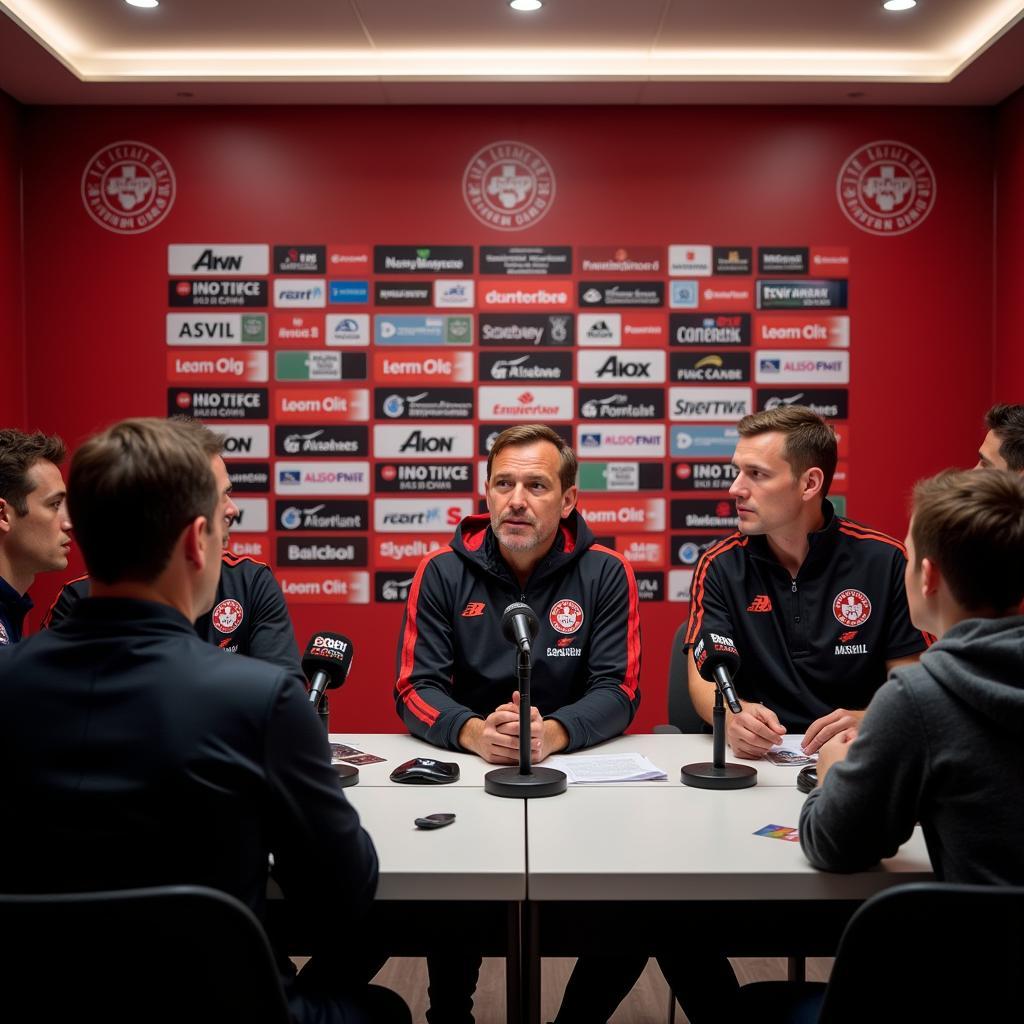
(525, 5)
(142, 3)
(894, 5)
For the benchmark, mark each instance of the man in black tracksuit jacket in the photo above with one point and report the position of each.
(456, 672)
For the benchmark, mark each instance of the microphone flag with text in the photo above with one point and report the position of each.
(717, 661)
(326, 663)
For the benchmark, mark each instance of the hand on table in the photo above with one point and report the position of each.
(820, 732)
(834, 751)
(754, 731)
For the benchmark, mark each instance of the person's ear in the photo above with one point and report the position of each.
(5, 515)
(931, 577)
(569, 496)
(196, 542)
(813, 481)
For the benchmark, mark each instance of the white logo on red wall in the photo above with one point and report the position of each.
(852, 608)
(886, 188)
(227, 616)
(508, 185)
(128, 187)
(566, 616)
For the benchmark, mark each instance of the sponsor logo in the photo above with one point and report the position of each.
(451, 294)
(217, 329)
(530, 366)
(318, 364)
(642, 550)
(703, 514)
(222, 404)
(827, 262)
(426, 259)
(473, 609)
(300, 259)
(886, 188)
(679, 581)
(782, 261)
(253, 477)
(249, 546)
(249, 292)
(323, 586)
(526, 329)
(635, 365)
(218, 260)
(320, 441)
(760, 603)
(242, 442)
(416, 404)
(348, 293)
(648, 441)
(709, 442)
(803, 331)
(402, 293)
(709, 367)
(851, 649)
(641, 328)
(252, 515)
(128, 187)
(684, 295)
(790, 367)
(323, 516)
(689, 260)
(348, 257)
(709, 328)
(321, 551)
(566, 616)
(392, 588)
(523, 404)
(400, 515)
(487, 432)
(525, 260)
(227, 616)
(413, 329)
(213, 367)
(687, 548)
(646, 514)
(621, 404)
(611, 293)
(702, 476)
(820, 294)
(423, 367)
(832, 404)
(306, 294)
(502, 294)
(701, 404)
(405, 552)
(289, 328)
(621, 476)
(347, 329)
(324, 405)
(851, 608)
(619, 260)
(322, 477)
(727, 295)
(508, 185)
(732, 259)
(424, 477)
(422, 442)
(559, 651)
(599, 329)
(650, 586)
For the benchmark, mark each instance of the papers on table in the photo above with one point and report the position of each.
(605, 767)
(788, 751)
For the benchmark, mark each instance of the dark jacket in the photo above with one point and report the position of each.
(13, 609)
(454, 663)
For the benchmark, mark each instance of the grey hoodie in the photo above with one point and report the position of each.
(942, 744)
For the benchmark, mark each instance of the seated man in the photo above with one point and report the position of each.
(134, 754)
(942, 742)
(456, 671)
(1003, 447)
(34, 525)
(249, 615)
(814, 602)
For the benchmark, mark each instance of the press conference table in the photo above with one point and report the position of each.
(611, 863)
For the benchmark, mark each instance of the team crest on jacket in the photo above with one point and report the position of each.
(566, 616)
(227, 616)
(852, 608)
(4, 638)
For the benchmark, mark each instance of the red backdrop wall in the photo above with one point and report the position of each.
(12, 376)
(920, 303)
(1008, 365)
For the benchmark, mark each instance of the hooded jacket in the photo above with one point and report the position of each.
(942, 744)
(454, 663)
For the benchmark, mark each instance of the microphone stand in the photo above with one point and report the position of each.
(717, 774)
(348, 774)
(524, 781)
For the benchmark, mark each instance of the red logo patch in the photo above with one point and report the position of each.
(761, 603)
(845, 638)
(851, 608)
(227, 616)
(566, 616)
(473, 609)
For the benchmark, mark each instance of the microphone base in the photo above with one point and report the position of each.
(348, 774)
(704, 775)
(537, 783)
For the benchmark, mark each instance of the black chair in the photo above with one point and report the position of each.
(927, 951)
(682, 715)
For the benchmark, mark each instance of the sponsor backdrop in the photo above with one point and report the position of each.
(360, 299)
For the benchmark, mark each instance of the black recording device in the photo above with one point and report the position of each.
(425, 771)
(807, 778)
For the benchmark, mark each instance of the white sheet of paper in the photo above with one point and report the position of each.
(606, 767)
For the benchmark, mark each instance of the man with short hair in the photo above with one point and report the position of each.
(1003, 447)
(134, 754)
(942, 742)
(456, 685)
(34, 525)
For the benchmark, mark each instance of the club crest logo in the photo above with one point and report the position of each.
(565, 616)
(508, 186)
(227, 616)
(851, 608)
(128, 187)
(886, 188)
(4, 638)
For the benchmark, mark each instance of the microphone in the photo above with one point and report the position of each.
(717, 660)
(326, 663)
(519, 625)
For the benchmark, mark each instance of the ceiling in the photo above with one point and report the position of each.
(479, 51)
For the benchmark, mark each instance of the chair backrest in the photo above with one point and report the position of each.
(175, 953)
(930, 951)
(681, 712)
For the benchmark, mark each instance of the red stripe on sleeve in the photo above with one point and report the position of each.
(697, 587)
(631, 678)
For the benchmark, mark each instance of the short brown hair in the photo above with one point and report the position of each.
(529, 433)
(19, 452)
(971, 525)
(211, 443)
(1007, 423)
(809, 440)
(132, 489)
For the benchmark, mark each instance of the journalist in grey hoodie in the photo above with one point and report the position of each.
(942, 743)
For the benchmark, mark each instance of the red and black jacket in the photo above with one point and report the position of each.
(454, 663)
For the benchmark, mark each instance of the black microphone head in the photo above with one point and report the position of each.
(330, 653)
(514, 609)
(712, 650)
